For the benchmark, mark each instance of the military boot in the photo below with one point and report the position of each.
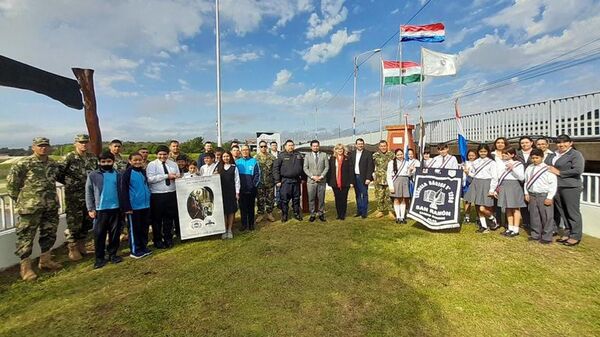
(392, 215)
(47, 263)
(74, 253)
(259, 218)
(270, 217)
(83, 250)
(27, 273)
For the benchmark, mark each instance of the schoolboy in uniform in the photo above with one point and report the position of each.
(540, 188)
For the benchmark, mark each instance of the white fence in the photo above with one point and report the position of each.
(591, 189)
(577, 116)
(8, 216)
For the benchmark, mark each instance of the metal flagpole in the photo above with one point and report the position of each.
(400, 88)
(354, 103)
(422, 83)
(381, 96)
(218, 56)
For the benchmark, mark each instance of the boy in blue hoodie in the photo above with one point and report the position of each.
(249, 179)
(102, 202)
(135, 202)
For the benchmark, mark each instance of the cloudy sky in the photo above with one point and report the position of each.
(282, 60)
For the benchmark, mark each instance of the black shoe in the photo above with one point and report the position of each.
(159, 245)
(312, 218)
(116, 259)
(243, 229)
(544, 242)
(100, 263)
(363, 216)
(512, 234)
(356, 215)
(322, 217)
(298, 217)
(343, 218)
(483, 230)
(169, 244)
(506, 232)
(562, 240)
(532, 239)
(284, 218)
(398, 221)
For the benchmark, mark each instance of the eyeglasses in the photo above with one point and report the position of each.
(263, 146)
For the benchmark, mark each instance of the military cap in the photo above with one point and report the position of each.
(82, 138)
(41, 141)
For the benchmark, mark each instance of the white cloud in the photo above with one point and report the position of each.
(283, 77)
(321, 52)
(395, 11)
(244, 57)
(333, 12)
(537, 17)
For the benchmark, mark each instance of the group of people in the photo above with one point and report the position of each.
(533, 185)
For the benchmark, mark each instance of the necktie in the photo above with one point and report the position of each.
(316, 157)
(168, 181)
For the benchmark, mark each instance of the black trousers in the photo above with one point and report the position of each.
(247, 202)
(290, 190)
(341, 201)
(107, 222)
(139, 222)
(163, 207)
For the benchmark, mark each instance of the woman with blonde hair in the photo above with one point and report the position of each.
(340, 177)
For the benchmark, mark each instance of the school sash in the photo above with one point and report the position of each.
(399, 170)
(481, 167)
(535, 176)
(504, 175)
(445, 161)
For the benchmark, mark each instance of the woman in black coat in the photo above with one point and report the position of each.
(340, 177)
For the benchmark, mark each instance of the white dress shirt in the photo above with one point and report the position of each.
(208, 170)
(357, 162)
(403, 170)
(546, 183)
(517, 173)
(447, 162)
(558, 155)
(157, 177)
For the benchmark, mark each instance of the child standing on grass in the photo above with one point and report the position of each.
(102, 202)
(540, 188)
(482, 171)
(466, 166)
(397, 179)
(506, 187)
(135, 202)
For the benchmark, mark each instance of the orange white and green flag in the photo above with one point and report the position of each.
(394, 73)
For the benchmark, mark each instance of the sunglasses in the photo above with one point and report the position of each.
(263, 146)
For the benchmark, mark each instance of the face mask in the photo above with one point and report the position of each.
(106, 167)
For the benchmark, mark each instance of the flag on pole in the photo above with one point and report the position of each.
(421, 137)
(462, 140)
(428, 33)
(395, 72)
(438, 64)
(406, 137)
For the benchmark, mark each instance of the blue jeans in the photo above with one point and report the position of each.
(362, 196)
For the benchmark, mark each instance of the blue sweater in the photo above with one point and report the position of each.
(100, 195)
(249, 174)
(135, 193)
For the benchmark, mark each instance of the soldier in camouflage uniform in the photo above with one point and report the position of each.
(382, 195)
(31, 184)
(265, 196)
(75, 169)
(115, 147)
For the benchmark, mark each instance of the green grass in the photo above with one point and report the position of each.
(352, 278)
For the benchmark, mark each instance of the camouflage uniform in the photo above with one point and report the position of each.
(120, 163)
(75, 169)
(265, 197)
(32, 184)
(382, 193)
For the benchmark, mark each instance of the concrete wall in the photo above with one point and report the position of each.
(8, 239)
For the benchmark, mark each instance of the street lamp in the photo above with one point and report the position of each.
(354, 99)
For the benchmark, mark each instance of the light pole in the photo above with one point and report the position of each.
(354, 99)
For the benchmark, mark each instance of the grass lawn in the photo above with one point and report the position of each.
(353, 278)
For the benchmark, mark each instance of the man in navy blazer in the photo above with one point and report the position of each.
(363, 167)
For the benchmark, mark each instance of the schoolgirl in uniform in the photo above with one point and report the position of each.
(482, 171)
(427, 160)
(506, 187)
(444, 160)
(466, 166)
(397, 179)
(413, 163)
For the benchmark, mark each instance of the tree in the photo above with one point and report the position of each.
(194, 145)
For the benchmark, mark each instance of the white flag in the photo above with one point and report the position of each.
(437, 64)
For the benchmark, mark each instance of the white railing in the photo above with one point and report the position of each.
(591, 189)
(8, 216)
(577, 116)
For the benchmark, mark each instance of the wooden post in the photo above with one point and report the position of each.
(85, 77)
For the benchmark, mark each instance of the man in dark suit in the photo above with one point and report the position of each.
(363, 166)
(568, 165)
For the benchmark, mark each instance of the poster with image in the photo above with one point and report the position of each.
(200, 206)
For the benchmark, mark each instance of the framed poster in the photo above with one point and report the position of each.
(200, 206)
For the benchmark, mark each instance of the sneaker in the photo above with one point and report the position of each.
(147, 252)
(467, 219)
(270, 217)
(137, 255)
(230, 235)
(225, 235)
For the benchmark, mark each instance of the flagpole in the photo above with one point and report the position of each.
(422, 83)
(381, 96)
(400, 88)
(218, 52)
